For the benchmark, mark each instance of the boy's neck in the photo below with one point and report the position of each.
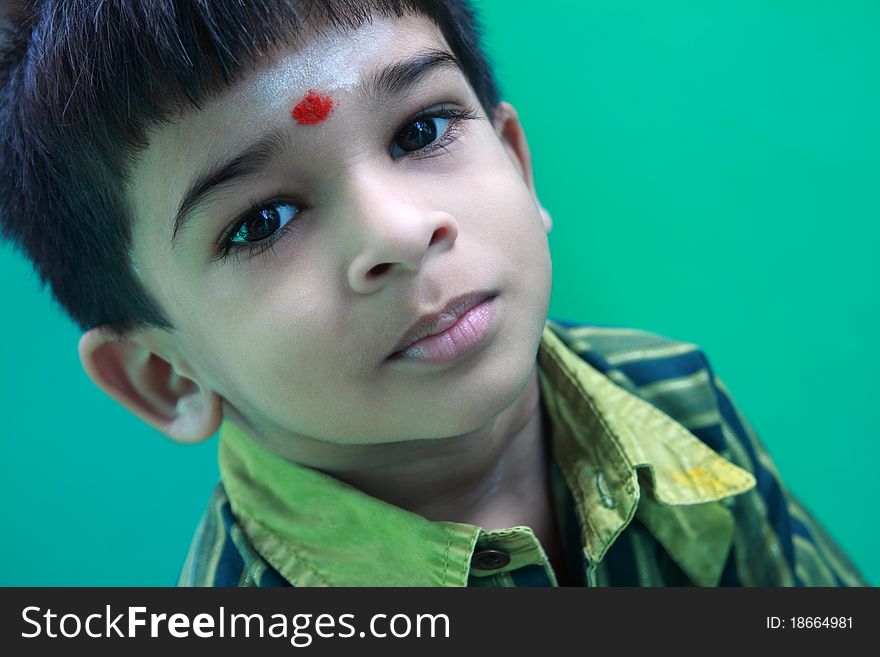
(495, 477)
(488, 477)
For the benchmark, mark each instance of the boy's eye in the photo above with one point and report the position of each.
(419, 134)
(262, 223)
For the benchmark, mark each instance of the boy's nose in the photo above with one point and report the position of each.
(395, 235)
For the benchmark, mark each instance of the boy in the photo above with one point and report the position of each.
(315, 224)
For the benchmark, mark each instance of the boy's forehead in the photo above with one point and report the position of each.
(330, 60)
(333, 62)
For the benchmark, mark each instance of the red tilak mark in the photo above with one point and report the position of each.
(312, 109)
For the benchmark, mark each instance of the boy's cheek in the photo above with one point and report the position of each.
(508, 212)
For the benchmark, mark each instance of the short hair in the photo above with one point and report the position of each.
(84, 80)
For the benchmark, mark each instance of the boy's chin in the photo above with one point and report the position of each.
(500, 400)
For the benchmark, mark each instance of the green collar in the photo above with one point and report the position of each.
(613, 446)
(610, 446)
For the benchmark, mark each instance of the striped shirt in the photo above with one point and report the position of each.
(657, 480)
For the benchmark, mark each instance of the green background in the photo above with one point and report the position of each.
(713, 170)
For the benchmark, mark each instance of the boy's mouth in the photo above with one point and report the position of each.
(457, 327)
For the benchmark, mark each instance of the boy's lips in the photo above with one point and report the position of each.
(440, 321)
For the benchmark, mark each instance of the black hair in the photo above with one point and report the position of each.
(84, 80)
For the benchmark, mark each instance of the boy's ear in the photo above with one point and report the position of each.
(130, 372)
(511, 133)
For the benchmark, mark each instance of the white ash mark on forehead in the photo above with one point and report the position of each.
(331, 62)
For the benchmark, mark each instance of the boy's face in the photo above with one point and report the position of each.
(370, 229)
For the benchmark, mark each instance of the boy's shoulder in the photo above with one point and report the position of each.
(780, 543)
(221, 555)
(643, 355)
(675, 376)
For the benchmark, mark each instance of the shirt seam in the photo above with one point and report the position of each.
(288, 550)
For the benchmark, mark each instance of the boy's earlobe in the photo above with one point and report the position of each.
(149, 386)
(546, 218)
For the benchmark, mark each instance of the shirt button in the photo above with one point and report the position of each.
(489, 559)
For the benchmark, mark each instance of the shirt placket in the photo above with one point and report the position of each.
(510, 557)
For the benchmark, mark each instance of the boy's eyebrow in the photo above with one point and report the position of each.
(396, 79)
(247, 162)
(390, 81)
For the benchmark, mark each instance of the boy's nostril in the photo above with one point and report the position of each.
(378, 270)
(438, 235)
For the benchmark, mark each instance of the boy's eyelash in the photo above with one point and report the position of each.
(225, 247)
(455, 116)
